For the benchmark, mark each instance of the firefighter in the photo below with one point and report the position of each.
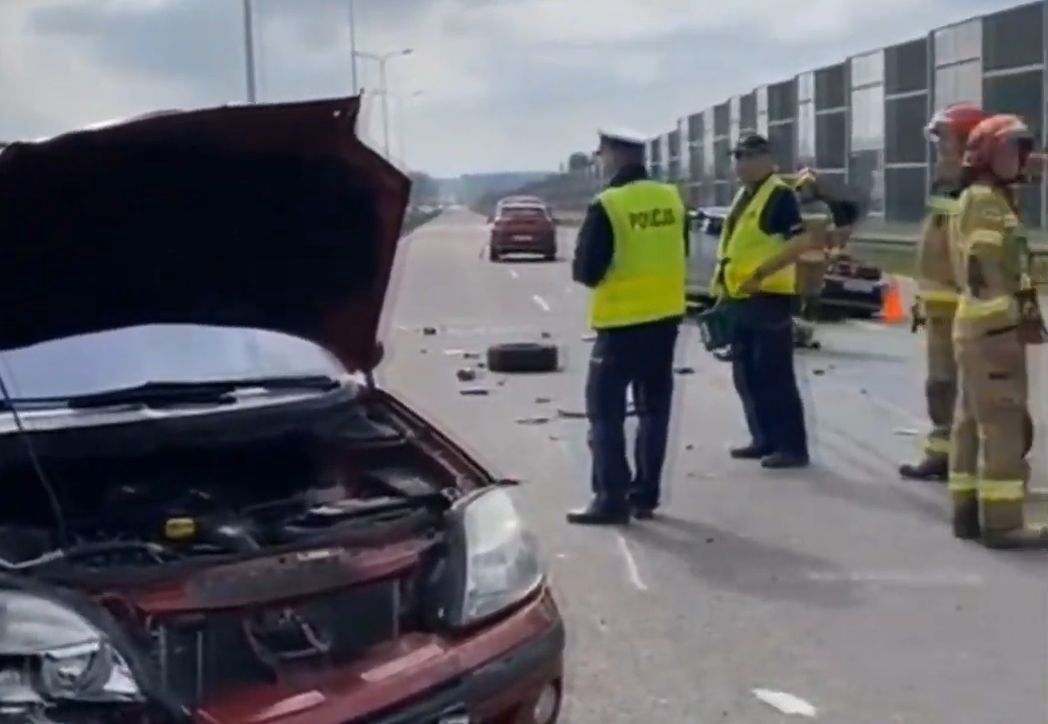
(989, 337)
(938, 288)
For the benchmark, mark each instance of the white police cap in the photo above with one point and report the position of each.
(623, 135)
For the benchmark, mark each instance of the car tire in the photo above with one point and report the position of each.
(523, 357)
(493, 254)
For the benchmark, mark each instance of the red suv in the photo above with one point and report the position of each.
(209, 511)
(522, 225)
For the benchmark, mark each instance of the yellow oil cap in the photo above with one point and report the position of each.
(180, 528)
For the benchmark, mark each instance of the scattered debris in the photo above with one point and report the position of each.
(785, 703)
(474, 391)
(501, 383)
(538, 420)
(818, 372)
(482, 365)
(685, 370)
(508, 482)
(471, 355)
(710, 540)
(546, 335)
(554, 438)
(429, 331)
(907, 432)
(543, 400)
(423, 351)
(466, 374)
(571, 414)
(689, 446)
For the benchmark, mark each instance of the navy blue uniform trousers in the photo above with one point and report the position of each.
(762, 368)
(638, 357)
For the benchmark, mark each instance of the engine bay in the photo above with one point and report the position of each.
(180, 503)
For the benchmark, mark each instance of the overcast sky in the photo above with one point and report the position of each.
(508, 84)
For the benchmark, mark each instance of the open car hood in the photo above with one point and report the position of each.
(268, 216)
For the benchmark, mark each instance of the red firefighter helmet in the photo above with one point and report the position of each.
(958, 118)
(992, 134)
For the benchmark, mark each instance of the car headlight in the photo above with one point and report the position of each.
(495, 561)
(50, 654)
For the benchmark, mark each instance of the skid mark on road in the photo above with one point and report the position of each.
(543, 304)
(631, 564)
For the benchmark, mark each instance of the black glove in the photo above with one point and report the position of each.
(919, 320)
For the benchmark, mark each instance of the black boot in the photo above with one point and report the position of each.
(750, 452)
(600, 513)
(934, 469)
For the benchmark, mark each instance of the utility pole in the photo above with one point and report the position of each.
(249, 53)
(353, 45)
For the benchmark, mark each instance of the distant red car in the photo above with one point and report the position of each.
(209, 511)
(522, 225)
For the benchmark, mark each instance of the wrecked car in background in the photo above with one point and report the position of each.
(851, 287)
(209, 510)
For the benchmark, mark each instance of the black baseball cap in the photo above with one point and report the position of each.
(751, 144)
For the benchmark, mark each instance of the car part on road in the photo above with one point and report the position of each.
(466, 374)
(474, 391)
(523, 357)
(429, 331)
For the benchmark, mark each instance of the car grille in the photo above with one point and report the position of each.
(201, 656)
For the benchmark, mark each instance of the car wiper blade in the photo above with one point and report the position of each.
(178, 393)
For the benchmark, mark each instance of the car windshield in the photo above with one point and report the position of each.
(126, 358)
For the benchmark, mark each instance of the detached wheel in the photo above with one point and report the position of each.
(523, 357)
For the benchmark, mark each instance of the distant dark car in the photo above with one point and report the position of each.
(852, 287)
(522, 226)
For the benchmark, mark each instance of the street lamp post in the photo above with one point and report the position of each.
(353, 45)
(382, 60)
(249, 52)
(401, 99)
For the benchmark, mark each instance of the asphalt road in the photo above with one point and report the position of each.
(840, 585)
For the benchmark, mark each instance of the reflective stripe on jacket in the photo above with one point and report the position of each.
(645, 282)
(740, 254)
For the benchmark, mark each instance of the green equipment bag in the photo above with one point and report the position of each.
(717, 327)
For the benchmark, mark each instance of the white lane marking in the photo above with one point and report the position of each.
(911, 579)
(543, 304)
(513, 273)
(631, 564)
(786, 703)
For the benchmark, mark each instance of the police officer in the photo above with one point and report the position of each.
(938, 288)
(631, 251)
(762, 238)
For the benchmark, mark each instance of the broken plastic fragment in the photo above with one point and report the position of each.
(474, 391)
(429, 331)
(907, 432)
(785, 703)
(466, 374)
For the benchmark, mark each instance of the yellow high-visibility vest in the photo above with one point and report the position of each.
(645, 282)
(740, 254)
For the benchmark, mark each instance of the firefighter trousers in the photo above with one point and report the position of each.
(989, 422)
(940, 387)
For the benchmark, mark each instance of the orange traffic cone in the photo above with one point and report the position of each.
(892, 311)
